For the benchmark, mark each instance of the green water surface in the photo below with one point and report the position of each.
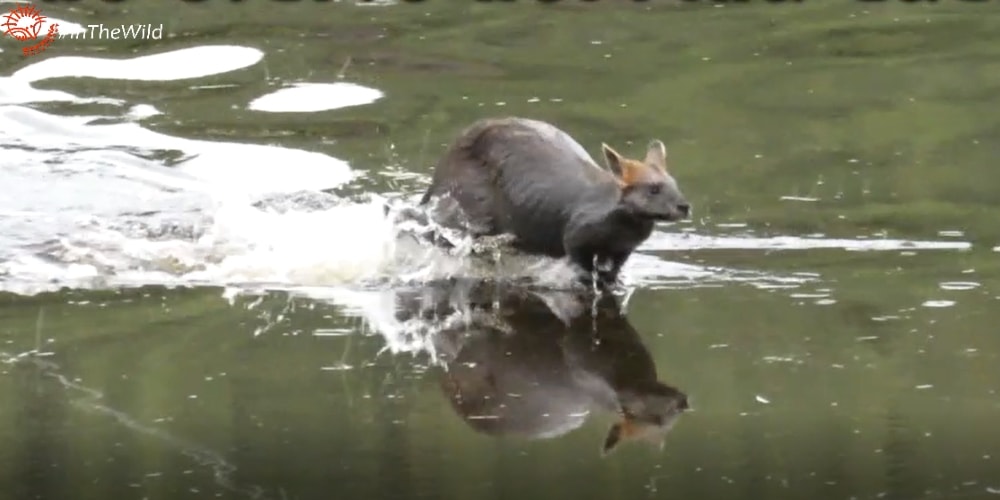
(847, 386)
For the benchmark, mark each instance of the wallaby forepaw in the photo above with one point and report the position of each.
(609, 282)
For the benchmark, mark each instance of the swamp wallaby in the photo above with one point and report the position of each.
(528, 179)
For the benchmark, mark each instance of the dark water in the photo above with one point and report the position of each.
(830, 312)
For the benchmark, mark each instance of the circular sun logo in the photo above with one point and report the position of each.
(23, 23)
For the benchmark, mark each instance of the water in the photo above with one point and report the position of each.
(204, 295)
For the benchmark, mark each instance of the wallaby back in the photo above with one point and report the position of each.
(521, 176)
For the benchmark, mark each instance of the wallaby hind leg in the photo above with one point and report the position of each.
(467, 199)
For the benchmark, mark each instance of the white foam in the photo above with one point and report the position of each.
(375, 3)
(218, 166)
(938, 303)
(140, 111)
(242, 245)
(192, 62)
(311, 97)
(15, 91)
(959, 285)
(175, 65)
(688, 241)
(76, 207)
(344, 244)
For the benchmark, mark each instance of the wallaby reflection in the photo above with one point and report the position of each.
(537, 364)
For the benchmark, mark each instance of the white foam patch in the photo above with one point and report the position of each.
(180, 64)
(959, 285)
(241, 245)
(349, 243)
(221, 167)
(687, 241)
(15, 91)
(938, 303)
(192, 62)
(311, 97)
(140, 111)
(81, 185)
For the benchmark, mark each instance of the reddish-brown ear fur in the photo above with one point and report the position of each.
(626, 170)
(633, 171)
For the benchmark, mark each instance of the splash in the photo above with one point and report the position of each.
(104, 202)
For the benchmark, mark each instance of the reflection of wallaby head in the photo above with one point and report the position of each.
(648, 413)
(518, 369)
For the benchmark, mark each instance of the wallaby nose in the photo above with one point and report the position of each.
(684, 208)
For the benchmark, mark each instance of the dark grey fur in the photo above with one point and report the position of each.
(527, 178)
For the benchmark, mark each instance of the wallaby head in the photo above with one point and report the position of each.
(648, 412)
(648, 190)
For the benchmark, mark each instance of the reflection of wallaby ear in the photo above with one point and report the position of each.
(612, 439)
(612, 159)
(656, 154)
(619, 430)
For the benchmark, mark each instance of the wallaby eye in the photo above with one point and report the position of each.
(655, 189)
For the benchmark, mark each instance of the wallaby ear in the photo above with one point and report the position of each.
(656, 154)
(612, 159)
